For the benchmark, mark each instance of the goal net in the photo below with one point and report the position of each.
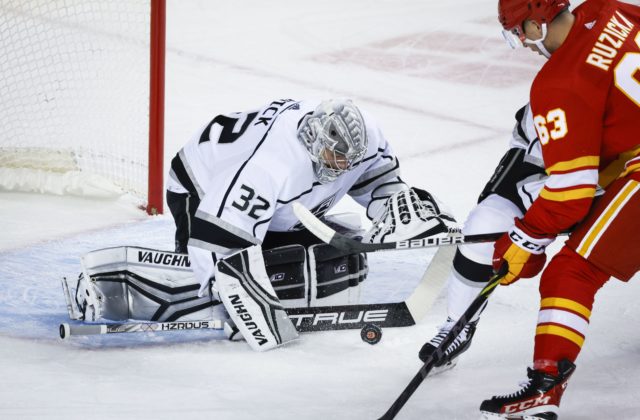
(81, 97)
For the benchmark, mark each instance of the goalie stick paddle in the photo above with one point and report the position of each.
(331, 237)
(439, 352)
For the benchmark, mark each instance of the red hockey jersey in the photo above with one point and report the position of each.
(586, 106)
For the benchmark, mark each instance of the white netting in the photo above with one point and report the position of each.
(74, 92)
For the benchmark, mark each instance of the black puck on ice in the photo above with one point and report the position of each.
(371, 334)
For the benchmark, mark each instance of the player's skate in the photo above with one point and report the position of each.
(455, 349)
(539, 397)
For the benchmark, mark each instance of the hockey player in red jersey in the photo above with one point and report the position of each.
(586, 106)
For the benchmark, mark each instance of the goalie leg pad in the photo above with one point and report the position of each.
(231, 331)
(88, 301)
(124, 283)
(247, 294)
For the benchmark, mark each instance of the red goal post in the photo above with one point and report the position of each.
(156, 107)
(82, 98)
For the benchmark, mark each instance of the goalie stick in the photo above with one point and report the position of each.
(331, 237)
(320, 318)
(67, 330)
(439, 352)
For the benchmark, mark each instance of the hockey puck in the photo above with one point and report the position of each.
(65, 330)
(371, 334)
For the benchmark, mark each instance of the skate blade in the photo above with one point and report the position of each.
(484, 415)
(493, 416)
(490, 416)
(437, 370)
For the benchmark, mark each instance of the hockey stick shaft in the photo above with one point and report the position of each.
(67, 330)
(439, 353)
(333, 238)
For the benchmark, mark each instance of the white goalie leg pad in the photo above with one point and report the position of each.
(122, 283)
(247, 294)
(88, 299)
(231, 331)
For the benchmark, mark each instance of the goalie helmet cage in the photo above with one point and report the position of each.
(82, 98)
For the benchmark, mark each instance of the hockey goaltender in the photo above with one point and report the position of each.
(241, 255)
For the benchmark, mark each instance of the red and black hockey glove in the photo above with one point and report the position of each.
(523, 250)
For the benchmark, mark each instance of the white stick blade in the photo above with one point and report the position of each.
(311, 222)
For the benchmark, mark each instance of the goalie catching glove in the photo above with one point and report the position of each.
(411, 214)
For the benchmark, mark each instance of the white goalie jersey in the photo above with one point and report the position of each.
(247, 168)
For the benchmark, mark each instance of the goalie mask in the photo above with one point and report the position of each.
(335, 137)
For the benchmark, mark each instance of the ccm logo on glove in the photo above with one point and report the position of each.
(522, 242)
(522, 250)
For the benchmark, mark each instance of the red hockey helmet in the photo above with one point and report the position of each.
(513, 13)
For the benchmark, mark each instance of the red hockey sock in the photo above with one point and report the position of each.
(567, 290)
